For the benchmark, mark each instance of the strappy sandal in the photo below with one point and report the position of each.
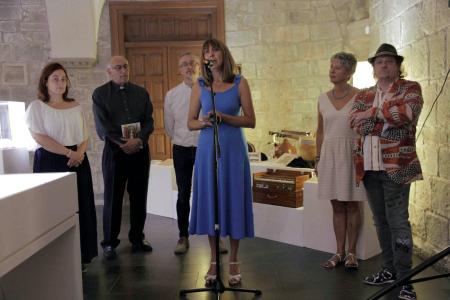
(235, 279)
(210, 278)
(350, 262)
(333, 262)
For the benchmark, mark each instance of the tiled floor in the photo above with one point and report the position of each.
(280, 271)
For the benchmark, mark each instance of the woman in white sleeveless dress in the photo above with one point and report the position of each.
(335, 167)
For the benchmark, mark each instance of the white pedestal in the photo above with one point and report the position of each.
(40, 247)
(318, 229)
(14, 160)
(162, 189)
(278, 223)
(309, 226)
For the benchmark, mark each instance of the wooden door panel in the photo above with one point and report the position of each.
(159, 145)
(148, 68)
(152, 31)
(168, 27)
(156, 62)
(149, 65)
(202, 27)
(155, 87)
(158, 92)
(147, 61)
(158, 118)
(184, 28)
(134, 29)
(137, 64)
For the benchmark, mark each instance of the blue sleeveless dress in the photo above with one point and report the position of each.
(235, 191)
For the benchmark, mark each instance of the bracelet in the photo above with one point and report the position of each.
(68, 153)
(317, 158)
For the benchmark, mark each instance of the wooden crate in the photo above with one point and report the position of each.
(279, 187)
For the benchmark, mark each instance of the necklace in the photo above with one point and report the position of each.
(342, 96)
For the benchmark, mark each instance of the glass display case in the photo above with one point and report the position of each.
(13, 130)
(15, 139)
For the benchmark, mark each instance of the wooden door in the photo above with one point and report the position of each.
(152, 35)
(148, 68)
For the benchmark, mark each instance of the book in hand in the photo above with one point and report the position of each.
(130, 130)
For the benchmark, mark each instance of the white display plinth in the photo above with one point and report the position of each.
(309, 226)
(40, 246)
(279, 223)
(162, 189)
(14, 160)
(318, 232)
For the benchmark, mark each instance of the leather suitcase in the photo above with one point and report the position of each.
(279, 187)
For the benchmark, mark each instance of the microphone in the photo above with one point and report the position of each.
(208, 64)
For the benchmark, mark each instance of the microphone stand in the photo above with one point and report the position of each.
(217, 287)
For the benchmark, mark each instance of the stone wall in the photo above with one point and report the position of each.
(284, 47)
(24, 47)
(421, 31)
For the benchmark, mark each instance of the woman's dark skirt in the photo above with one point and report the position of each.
(45, 162)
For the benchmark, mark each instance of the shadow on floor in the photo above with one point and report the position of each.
(280, 271)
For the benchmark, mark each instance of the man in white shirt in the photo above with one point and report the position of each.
(176, 106)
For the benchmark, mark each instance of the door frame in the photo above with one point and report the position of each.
(118, 11)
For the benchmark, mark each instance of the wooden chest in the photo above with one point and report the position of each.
(279, 187)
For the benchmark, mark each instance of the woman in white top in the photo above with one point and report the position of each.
(335, 167)
(57, 124)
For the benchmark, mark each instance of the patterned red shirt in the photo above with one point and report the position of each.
(395, 124)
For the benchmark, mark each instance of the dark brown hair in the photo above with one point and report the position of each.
(228, 67)
(45, 74)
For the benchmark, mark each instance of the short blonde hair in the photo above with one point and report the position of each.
(348, 60)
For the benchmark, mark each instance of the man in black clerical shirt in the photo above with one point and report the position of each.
(123, 119)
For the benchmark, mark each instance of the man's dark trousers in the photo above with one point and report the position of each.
(120, 170)
(183, 160)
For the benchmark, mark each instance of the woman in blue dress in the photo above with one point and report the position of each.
(234, 110)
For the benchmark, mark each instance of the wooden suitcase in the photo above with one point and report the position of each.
(279, 187)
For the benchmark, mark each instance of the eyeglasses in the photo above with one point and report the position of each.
(120, 67)
(186, 63)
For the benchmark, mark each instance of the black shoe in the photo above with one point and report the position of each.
(407, 293)
(142, 246)
(109, 252)
(380, 278)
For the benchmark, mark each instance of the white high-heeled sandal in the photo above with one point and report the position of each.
(236, 278)
(210, 278)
